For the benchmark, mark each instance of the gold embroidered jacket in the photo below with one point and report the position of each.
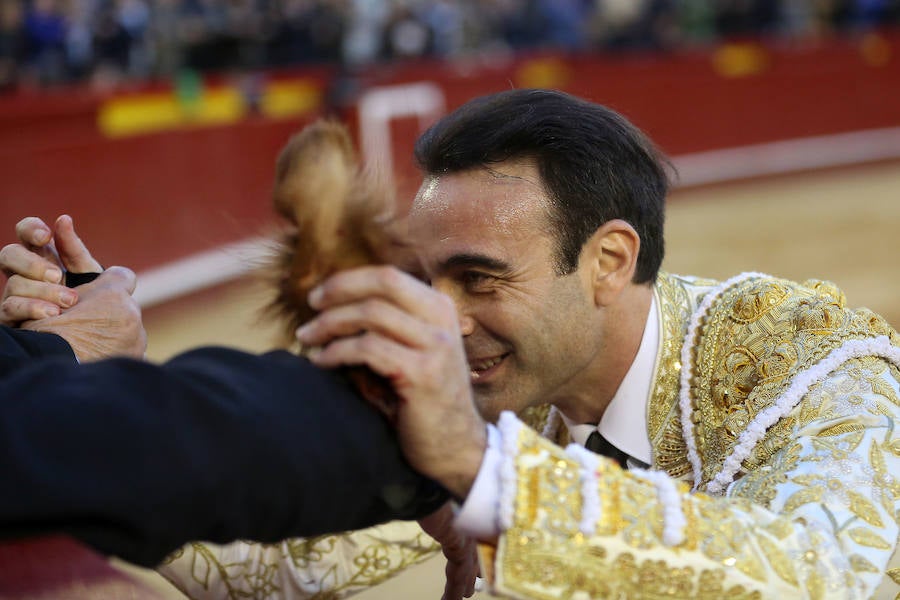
(776, 470)
(776, 466)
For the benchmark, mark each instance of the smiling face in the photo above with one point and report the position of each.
(531, 335)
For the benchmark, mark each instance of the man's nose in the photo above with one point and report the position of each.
(466, 323)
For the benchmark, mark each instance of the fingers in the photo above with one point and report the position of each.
(389, 283)
(395, 360)
(37, 237)
(462, 562)
(32, 290)
(455, 546)
(72, 251)
(16, 309)
(350, 319)
(33, 231)
(59, 295)
(382, 301)
(461, 569)
(384, 356)
(16, 259)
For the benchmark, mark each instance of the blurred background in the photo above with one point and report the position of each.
(156, 123)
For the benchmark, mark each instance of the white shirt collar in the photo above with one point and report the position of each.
(624, 423)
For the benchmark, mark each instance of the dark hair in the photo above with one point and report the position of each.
(594, 164)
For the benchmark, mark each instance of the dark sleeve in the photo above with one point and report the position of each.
(136, 459)
(17, 345)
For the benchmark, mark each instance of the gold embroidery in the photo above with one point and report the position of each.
(755, 304)
(864, 509)
(815, 586)
(780, 561)
(712, 587)
(804, 496)
(545, 555)
(894, 574)
(676, 299)
(861, 564)
(888, 485)
(760, 485)
(549, 508)
(839, 448)
(841, 429)
(756, 336)
(535, 416)
(674, 306)
(865, 537)
(325, 567)
(828, 290)
(545, 575)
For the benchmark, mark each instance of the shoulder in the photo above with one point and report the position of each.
(753, 336)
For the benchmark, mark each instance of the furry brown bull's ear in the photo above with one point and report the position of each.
(339, 216)
(313, 175)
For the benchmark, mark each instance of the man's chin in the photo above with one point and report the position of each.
(488, 408)
(491, 403)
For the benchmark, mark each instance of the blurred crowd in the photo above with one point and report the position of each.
(44, 42)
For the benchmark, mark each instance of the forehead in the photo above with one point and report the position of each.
(501, 203)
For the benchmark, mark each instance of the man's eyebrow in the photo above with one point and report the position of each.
(467, 260)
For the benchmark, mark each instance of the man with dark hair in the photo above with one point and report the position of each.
(579, 148)
(748, 427)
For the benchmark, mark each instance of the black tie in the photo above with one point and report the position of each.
(599, 444)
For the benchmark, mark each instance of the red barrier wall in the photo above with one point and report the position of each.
(148, 199)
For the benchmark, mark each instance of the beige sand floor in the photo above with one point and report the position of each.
(841, 225)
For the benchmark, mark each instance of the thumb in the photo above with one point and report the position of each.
(72, 252)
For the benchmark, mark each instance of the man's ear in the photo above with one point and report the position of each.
(609, 258)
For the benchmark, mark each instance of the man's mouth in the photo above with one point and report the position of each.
(481, 368)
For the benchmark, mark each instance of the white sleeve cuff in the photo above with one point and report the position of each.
(479, 514)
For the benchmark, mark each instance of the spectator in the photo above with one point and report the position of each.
(45, 35)
(112, 46)
(12, 41)
(133, 16)
(140, 38)
(164, 37)
(406, 36)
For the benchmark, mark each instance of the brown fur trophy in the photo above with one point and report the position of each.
(340, 215)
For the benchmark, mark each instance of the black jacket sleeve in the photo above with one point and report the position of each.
(136, 459)
(18, 345)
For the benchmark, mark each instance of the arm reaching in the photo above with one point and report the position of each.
(136, 459)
